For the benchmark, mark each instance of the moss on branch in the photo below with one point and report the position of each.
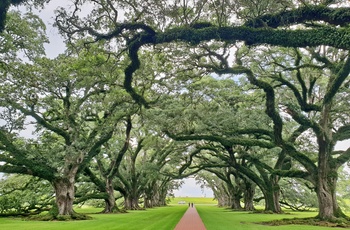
(343, 133)
(291, 173)
(249, 33)
(333, 16)
(224, 141)
(335, 37)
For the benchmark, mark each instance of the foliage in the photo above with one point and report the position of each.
(22, 41)
(66, 100)
(257, 87)
(5, 5)
(297, 196)
(23, 195)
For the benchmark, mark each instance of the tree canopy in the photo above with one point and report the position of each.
(253, 92)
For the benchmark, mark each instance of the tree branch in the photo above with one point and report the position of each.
(313, 13)
(42, 121)
(224, 141)
(339, 79)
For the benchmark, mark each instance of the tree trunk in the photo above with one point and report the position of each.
(326, 185)
(325, 200)
(110, 205)
(272, 201)
(276, 201)
(269, 201)
(162, 195)
(222, 198)
(160, 200)
(149, 198)
(324, 195)
(326, 178)
(249, 196)
(222, 201)
(148, 203)
(236, 203)
(337, 210)
(131, 203)
(236, 199)
(235, 196)
(64, 189)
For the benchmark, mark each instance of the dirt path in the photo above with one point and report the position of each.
(190, 221)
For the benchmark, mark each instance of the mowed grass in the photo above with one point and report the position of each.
(165, 218)
(156, 218)
(194, 200)
(215, 218)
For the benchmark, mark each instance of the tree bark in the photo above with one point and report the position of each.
(276, 201)
(148, 203)
(327, 171)
(64, 189)
(337, 210)
(149, 197)
(235, 196)
(272, 200)
(236, 203)
(131, 203)
(324, 195)
(223, 200)
(326, 185)
(249, 196)
(110, 205)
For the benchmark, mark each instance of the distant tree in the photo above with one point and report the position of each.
(105, 166)
(233, 186)
(140, 175)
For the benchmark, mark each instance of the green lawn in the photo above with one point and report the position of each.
(195, 200)
(164, 218)
(158, 218)
(215, 218)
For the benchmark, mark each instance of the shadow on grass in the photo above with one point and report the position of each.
(338, 222)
